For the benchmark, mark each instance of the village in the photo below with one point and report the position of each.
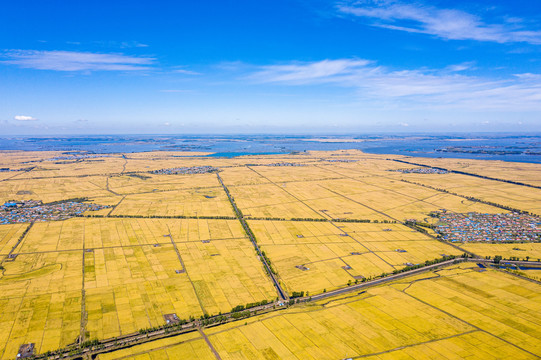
(421, 171)
(476, 227)
(78, 157)
(186, 170)
(13, 212)
(284, 164)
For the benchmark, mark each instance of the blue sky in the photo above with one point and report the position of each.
(292, 66)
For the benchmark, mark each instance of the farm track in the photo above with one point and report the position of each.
(19, 241)
(125, 163)
(468, 323)
(382, 188)
(324, 216)
(331, 220)
(204, 336)
(109, 189)
(19, 173)
(360, 203)
(84, 315)
(370, 251)
(412, 345)
(186, 270)
(427, 234)
(470, 198)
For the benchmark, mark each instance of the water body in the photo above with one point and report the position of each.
(516, 267)
(506, 147)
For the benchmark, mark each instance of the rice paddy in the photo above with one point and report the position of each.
(453, 313)
(318, 256)
(172, 244)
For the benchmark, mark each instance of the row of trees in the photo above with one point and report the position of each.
(157, 216)
(471, 198)
(296, 294)
(499, 258)
(413, 225)
(470, 174)
(269, 263)
(426, 263)
(323, 220)
(249, 306)
(78, 200)
(266, 261)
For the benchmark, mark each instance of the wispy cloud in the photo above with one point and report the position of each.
(120, 44)
(309, 72)
(24, 118)
(130, 44)
(186, 72)
(75, 61)
(434, 88)
(449, 24)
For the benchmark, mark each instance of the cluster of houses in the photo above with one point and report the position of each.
(77, 157)
(186, 170)
(511, 227)
(13, 212)
(285, 164)
(340, 161)
(421, 171)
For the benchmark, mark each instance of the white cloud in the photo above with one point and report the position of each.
(120, 44)
(75, 61)
(445, 23)
(435, 88)
(24, 118)
(460, 67)
(186, 72)
(130, 44)
(309, 72)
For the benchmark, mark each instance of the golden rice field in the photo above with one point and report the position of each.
(101, 277)
(226, 273)
(40, 301)
(55, 189)
(130, 278)
(188, 346)
(9, 234)
(453, 313)
(191, 202)
(521, 251)
(515, 196)
(268, 200)
(346, 196)
(522, 172)
(336, 253)
(129, 184)
(51, 168)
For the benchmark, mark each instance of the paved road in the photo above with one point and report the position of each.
(384, 280)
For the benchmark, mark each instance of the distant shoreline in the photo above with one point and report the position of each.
(504, 147)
